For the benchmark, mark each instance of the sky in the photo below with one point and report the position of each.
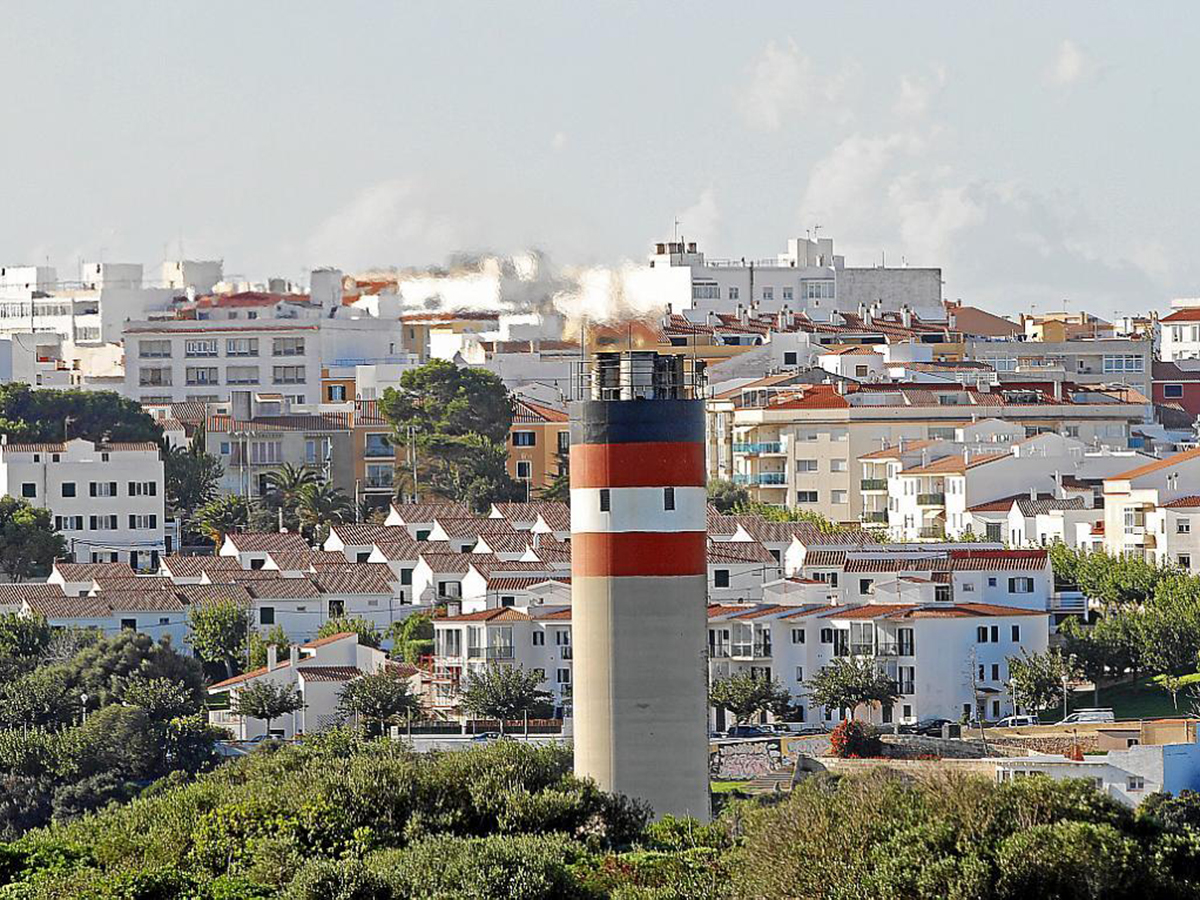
(1040, 154)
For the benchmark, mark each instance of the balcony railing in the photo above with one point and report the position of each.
(375, 451)
(757, 650)
(759, 447)
(377, 481)
(931, 499)
(935, 531)
(875, 518)
(874, 484)
(862, 649)
(490, 652)
(719, 651)
(778, 478)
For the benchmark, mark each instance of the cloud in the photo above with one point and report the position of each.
(559, 141)
(1070, 65)
(779, 85)
(701, 221)
(386, 222)
(918, 91)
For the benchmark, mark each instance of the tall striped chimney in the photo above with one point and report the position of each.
(638, 581)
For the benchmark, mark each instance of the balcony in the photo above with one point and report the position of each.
(719, 651)
(379, 482)
(490, 652)
(873, 484)
(759, 447)
(875, 518)
(757, 650)
(862, 649)
(762, 478)
(931, 499)
(932, 532)
(376, 451)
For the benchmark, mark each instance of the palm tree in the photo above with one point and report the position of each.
(223, 515)
(320, 505)
(284, 486)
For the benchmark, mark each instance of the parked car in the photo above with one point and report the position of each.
(800, 728)
(1016, 722)
(1082, 716)
(748, 731)
(486, 736)
(931, 727)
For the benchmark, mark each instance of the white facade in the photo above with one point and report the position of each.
(1148, 511)
(106, 500)
(1180, 331)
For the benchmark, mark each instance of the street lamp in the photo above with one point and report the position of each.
(83, 698)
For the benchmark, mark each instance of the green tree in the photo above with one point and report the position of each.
(191, 477)
(23, 637)
(259, 642)
(381, 698)
(28, 542)
(726, 496)
(460, 418)
(43, 696)
(850, 681)
(1036, 679)
(223, 516)
(161, 698)
(320, 505)
(502, 692)
(287, 485)
(36, 416)
(559, 488)
(218, 632)
(98, 667)
(266, 700)
(367, 631)
(412, 638)
(747, 695)
(790, 514)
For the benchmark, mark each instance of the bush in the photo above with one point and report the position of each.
(851, 739)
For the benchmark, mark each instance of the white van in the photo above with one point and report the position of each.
(1082, 716)
(1017, 722)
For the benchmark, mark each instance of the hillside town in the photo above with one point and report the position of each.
(567, 452)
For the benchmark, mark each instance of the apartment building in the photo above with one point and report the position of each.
(1082, 361)
(254, 340)
(1149, 511)
(800, 445)
(809, 277)
(1178, 383)
(947, 659)
(107, 500)
(538, 443)
(1181, 333)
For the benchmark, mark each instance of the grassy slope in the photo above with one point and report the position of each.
(1141, 699)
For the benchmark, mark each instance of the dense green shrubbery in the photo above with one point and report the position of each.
(343, 818)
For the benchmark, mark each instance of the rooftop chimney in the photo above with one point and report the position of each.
(906, 316)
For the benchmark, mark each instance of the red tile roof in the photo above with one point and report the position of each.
(1190, 502)
(1191, 314)
(1156, 466)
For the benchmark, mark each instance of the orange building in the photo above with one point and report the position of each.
(537, 443)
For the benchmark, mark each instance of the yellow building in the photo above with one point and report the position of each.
(537, 443)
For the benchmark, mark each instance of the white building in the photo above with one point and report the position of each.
(107, 500)
(1149, 511)
(1181, 332)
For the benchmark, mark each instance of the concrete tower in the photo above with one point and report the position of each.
(638, 581)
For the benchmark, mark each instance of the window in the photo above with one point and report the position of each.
(153, 377)
(981, 634)
(991, 581)
(266, 615)
(563, 676)
(836, 497)
(837, 465)
(142, 522)
(539, 638)
(201, 375)
(524, 469)
(564, 441)
(826, 635)
(799, 673)
(508, 600)
(860, 371)
(706, 291)
(721, 578)
(68, 489)
(605, 499)
(129, 624)
(818, 290)
(154, 349)
(316, 451)
(143, 489)
(992, 533)
(336, 393)
(287, 374)
(1124, 362)
(289, 346)
(241, 375)
(1020, 585)
(1185, 560)
(806, 496)
(28, 489)
(995, 672)
(768, 293)
(1183, 526)
(995, 634)
(524, 438)
(102, 523)
(406, 576)
(376, 444)
(797, 635)
(1016, 633)
(241, 347)
(734, 293)
(1135, 783)
(1172, 391)
(668, 498)
(905, 644)
(540, 673)
(206, 347)
(806, 465)
(866, 586)
(791, 358)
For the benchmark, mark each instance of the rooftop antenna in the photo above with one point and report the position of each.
(677, 229)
